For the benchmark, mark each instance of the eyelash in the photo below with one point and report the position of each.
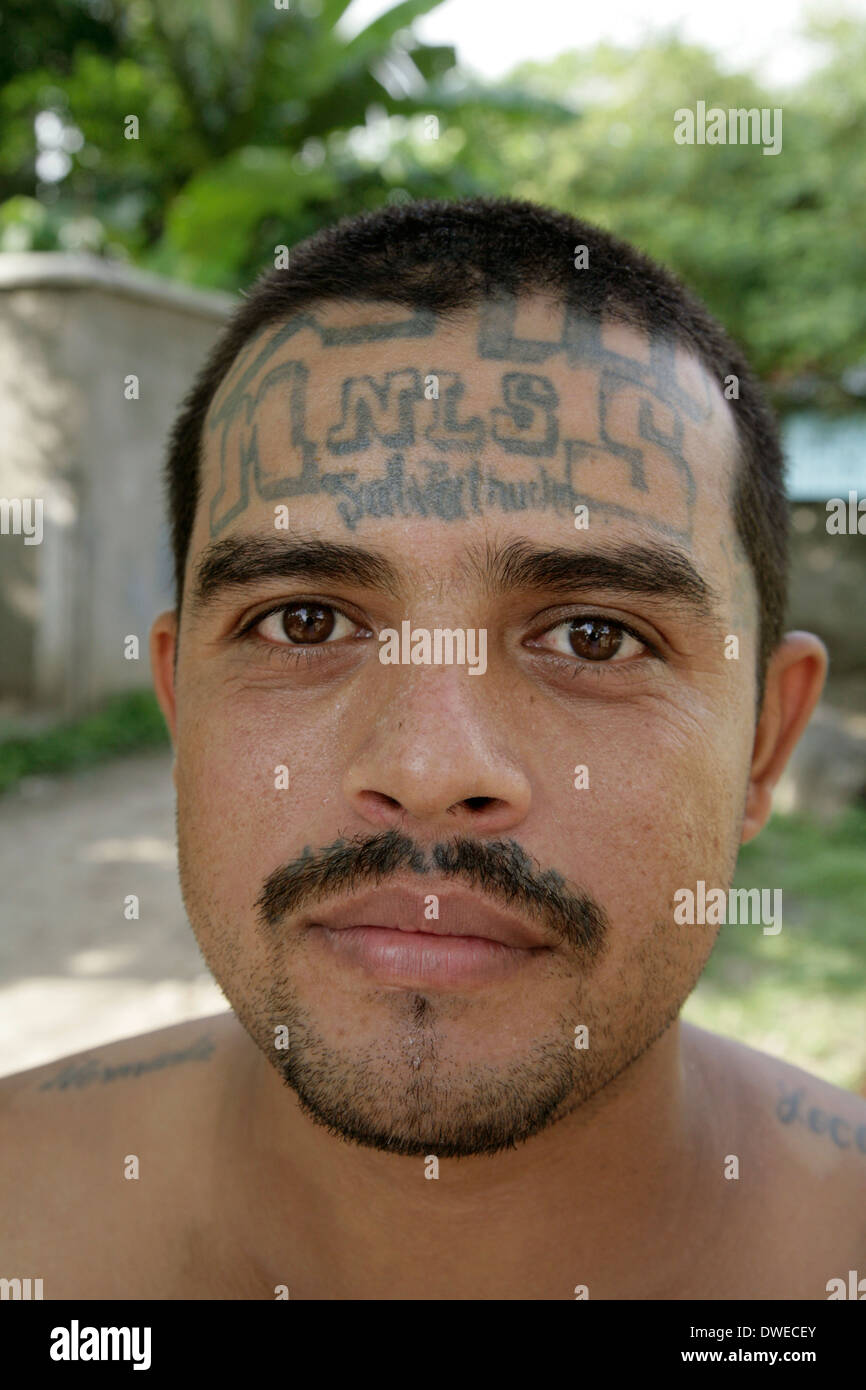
(287, 653)
(574, 665)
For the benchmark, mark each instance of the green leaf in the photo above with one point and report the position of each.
(376, 38)
(211, 224)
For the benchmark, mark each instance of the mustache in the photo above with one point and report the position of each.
(501, 869)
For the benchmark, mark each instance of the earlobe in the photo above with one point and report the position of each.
(795, 679)
(163, 641)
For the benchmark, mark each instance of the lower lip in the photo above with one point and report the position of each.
(404, 957)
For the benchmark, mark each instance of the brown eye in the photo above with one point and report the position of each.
(307, 622)
(593, 640)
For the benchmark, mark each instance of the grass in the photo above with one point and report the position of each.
(801, 994)
(124, 724)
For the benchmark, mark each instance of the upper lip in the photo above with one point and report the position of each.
(461, 913)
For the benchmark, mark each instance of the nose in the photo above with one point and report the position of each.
(437, 755)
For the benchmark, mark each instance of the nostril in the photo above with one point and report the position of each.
(479, 803)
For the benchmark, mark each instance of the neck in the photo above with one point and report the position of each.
(571, 1204)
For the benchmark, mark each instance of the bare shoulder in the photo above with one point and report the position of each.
(92, 1144)
(92, 1078)
(810, 1115)
(800, 1145)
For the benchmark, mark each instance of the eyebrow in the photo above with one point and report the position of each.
(239, 561)
(650, 569)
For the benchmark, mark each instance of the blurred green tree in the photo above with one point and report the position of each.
(240, 108)
(772, 243)
(258, 125)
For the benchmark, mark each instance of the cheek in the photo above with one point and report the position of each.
(662, 809)
(252, 789)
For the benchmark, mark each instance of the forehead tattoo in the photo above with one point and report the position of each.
(628, 460)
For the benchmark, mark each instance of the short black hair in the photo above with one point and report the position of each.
(448, 255)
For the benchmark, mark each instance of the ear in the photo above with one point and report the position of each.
(795, 679)
(163, 642)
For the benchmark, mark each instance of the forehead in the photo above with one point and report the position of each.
(521, 410)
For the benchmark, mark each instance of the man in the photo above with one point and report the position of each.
(477, 677)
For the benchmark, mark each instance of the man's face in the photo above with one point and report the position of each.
(560, 492)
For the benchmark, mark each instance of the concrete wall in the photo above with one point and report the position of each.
(71, 329)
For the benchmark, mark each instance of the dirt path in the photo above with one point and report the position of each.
(74, 972)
